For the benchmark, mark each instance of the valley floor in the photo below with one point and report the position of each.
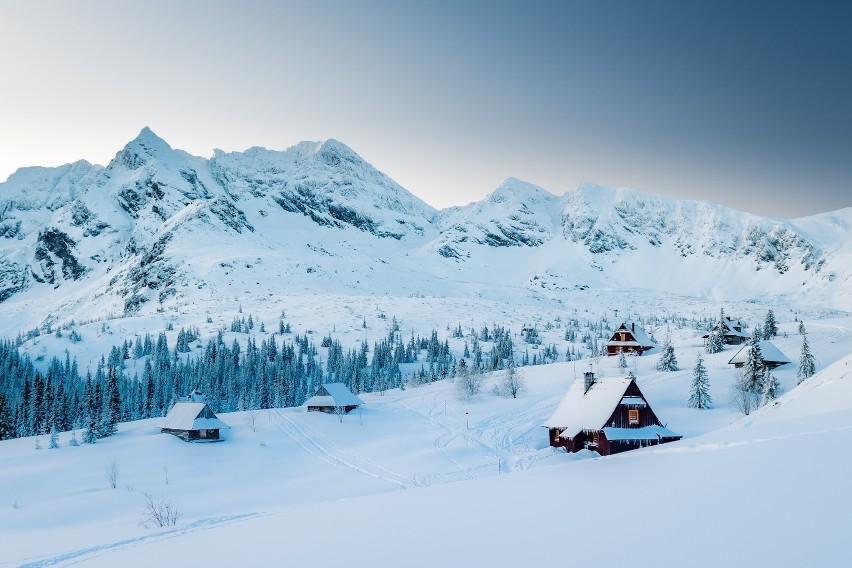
(419, 478)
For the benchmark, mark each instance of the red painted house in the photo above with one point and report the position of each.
(607, 415)
(629, 338)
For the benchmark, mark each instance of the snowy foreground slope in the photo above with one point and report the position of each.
(422, 479)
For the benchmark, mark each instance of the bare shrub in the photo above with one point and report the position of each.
(512, 384)
(742, 397)
(468, 385)
(160, 512)
(251, 420)
(112, 471)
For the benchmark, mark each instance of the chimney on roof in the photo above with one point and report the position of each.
(588, 381)
(633, 326)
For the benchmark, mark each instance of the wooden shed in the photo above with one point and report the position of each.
(732, 332)
(629, 338)
(333, 398)
(772, 356)
(606, 415)
(191, 420)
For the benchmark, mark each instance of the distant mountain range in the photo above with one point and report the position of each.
(158, 229)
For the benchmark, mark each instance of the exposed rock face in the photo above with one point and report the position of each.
(156, 223)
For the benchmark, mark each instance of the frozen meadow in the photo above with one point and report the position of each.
(420, 478)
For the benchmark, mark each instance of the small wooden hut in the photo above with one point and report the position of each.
(333, 398)
(629, 338)
(191, 420)
(607, 415)
(732, 332)
(772, 356)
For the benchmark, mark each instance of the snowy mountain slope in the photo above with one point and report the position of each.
(464, 473)
(160, 231)
(515, 214)
(327, 182)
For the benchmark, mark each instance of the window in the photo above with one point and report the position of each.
(632, 416)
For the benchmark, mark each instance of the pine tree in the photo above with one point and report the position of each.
(807, 367)
(754, 369)
(622, 361)
(801, 327)
(771, 387)
(699, 390)
(6, 429)
(668, 361)
(770, 327)
(715, 341)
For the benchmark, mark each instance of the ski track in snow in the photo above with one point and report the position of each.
(83, 554)
(324, 449)
(493, 438)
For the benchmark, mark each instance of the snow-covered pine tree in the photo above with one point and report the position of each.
(668, 361)
(6, 429)
(622, 360)
(770, 327)
(715, 341)
(699, 390)
(807, 367)
(801, 327)
(754, 369)
(771, 387)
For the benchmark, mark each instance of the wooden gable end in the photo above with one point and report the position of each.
(622, 417)
(206, 413)
(622, 334)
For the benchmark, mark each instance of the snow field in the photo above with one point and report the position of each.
(412, 479)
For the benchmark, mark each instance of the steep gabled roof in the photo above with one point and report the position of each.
(641, 338)
(334, 394)
(192, 416)
(771, 354)
(590, 410)
(728, 329)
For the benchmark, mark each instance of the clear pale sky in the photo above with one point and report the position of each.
(748, 104)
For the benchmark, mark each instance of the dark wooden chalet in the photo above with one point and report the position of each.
(333, 398)
(629, 338)
(772, 356)
(191, 420)
(732, 331)
(606, 415)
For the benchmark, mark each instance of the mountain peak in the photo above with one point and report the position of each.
(142, 149)
(514, 189)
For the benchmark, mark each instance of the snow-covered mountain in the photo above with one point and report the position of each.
(158, 229)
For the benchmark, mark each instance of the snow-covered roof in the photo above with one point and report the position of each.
(192, 416)
(334, 394)
(590, 410)
(638, 333)
(654, 432)
(770, 354)
(633, 401)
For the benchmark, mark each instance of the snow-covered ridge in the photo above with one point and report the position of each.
(156, 225)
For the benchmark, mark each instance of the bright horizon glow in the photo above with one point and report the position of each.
(450, 100)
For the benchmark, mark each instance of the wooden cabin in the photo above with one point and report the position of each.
(191, 420)
(732, 331)
(772, 356)
(333, 398)
(606, 415)
(629, 338)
